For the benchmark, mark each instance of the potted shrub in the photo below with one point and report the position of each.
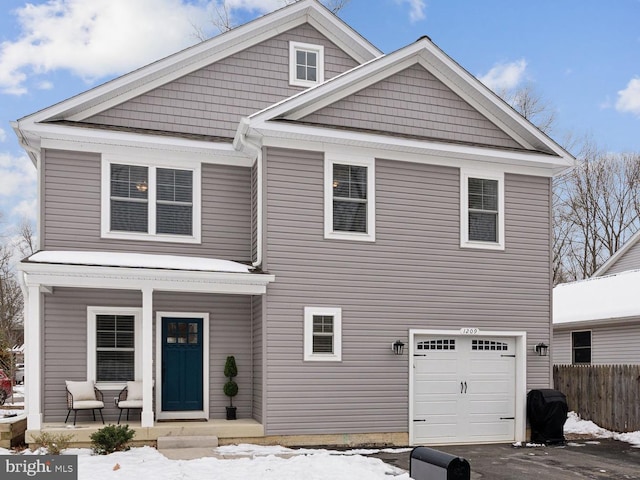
(230, 388)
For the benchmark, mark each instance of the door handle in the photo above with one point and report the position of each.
(465, 387)
(461, 387)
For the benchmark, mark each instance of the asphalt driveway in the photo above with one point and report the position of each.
(578, 459)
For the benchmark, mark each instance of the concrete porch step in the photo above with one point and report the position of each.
(188, 453)
(187, 441)
(187, 447)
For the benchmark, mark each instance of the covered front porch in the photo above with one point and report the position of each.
(244, 430)
(69, 294)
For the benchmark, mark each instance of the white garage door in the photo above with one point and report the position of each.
(464, 389)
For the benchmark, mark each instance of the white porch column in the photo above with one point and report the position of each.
(33, 358)
(147, 357)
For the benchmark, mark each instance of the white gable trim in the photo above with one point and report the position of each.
(427, 54)
(604, 268)
(194, 58)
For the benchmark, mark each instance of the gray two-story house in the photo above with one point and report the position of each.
(368, 235)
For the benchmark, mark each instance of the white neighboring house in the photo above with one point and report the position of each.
(597, 321)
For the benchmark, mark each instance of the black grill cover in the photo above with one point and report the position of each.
(547, 411)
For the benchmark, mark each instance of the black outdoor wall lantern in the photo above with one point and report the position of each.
(542, 349)
(397, 347)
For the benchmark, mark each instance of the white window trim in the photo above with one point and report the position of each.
(331, 159)
(464, 209)
(92, 313)
(308, 47)
(336, 313)
(105, 223)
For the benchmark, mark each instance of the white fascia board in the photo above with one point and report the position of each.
(399, 148)
(203, 54)
(428, 55)
(119, 278)
(613, 258)
(104, 141)
(481, 97)
(332, 27)
(596, 323)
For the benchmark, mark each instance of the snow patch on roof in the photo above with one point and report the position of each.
(599, 298)
(139, 260)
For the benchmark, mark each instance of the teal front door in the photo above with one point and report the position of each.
(182, 364)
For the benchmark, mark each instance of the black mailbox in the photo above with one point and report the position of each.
(429, 464)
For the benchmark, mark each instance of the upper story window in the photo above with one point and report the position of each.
(150, 202)
(581, 347)
(349, 198)
(482, 210)
(306, 64)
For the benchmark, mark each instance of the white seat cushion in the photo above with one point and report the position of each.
(81, 390)
(130, 404)
(87, 404)
(134, 391)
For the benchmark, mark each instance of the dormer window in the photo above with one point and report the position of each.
(306, 64)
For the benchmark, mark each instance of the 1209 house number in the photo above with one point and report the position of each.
(469, 331)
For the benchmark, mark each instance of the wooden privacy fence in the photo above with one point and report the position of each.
(608, 395)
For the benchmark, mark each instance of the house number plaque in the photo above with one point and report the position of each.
(469, 331)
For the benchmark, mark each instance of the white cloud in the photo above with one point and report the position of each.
(505, 76)
(95, 39)
(26, 209)
(3, 135)
(45, 85)
(416, 9)
(629, 98)
(17, 176)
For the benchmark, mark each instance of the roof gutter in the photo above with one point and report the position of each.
(254, 148)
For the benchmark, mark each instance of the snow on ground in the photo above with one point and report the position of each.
(147, 462)
(271, 462)
(576, 425)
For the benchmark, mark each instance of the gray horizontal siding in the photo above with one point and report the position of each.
(414, 276)
(72, 210)
(212, 100)
(415, 103)
(64, 347)
(65, 343)
(617, 344)
(629, 260)
(561, 347)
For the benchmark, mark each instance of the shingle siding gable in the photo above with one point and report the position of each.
(414, 103)
(212, 100)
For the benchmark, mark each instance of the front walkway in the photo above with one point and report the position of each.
(241, 431)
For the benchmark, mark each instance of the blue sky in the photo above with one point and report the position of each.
(582, 56)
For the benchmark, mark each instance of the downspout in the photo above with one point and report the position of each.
(255, 149)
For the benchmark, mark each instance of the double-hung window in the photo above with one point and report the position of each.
(150, 202)
(581, 347)
(323, 334)
(113, 345)
(349, 198)
(306, 64)
(482, 210)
